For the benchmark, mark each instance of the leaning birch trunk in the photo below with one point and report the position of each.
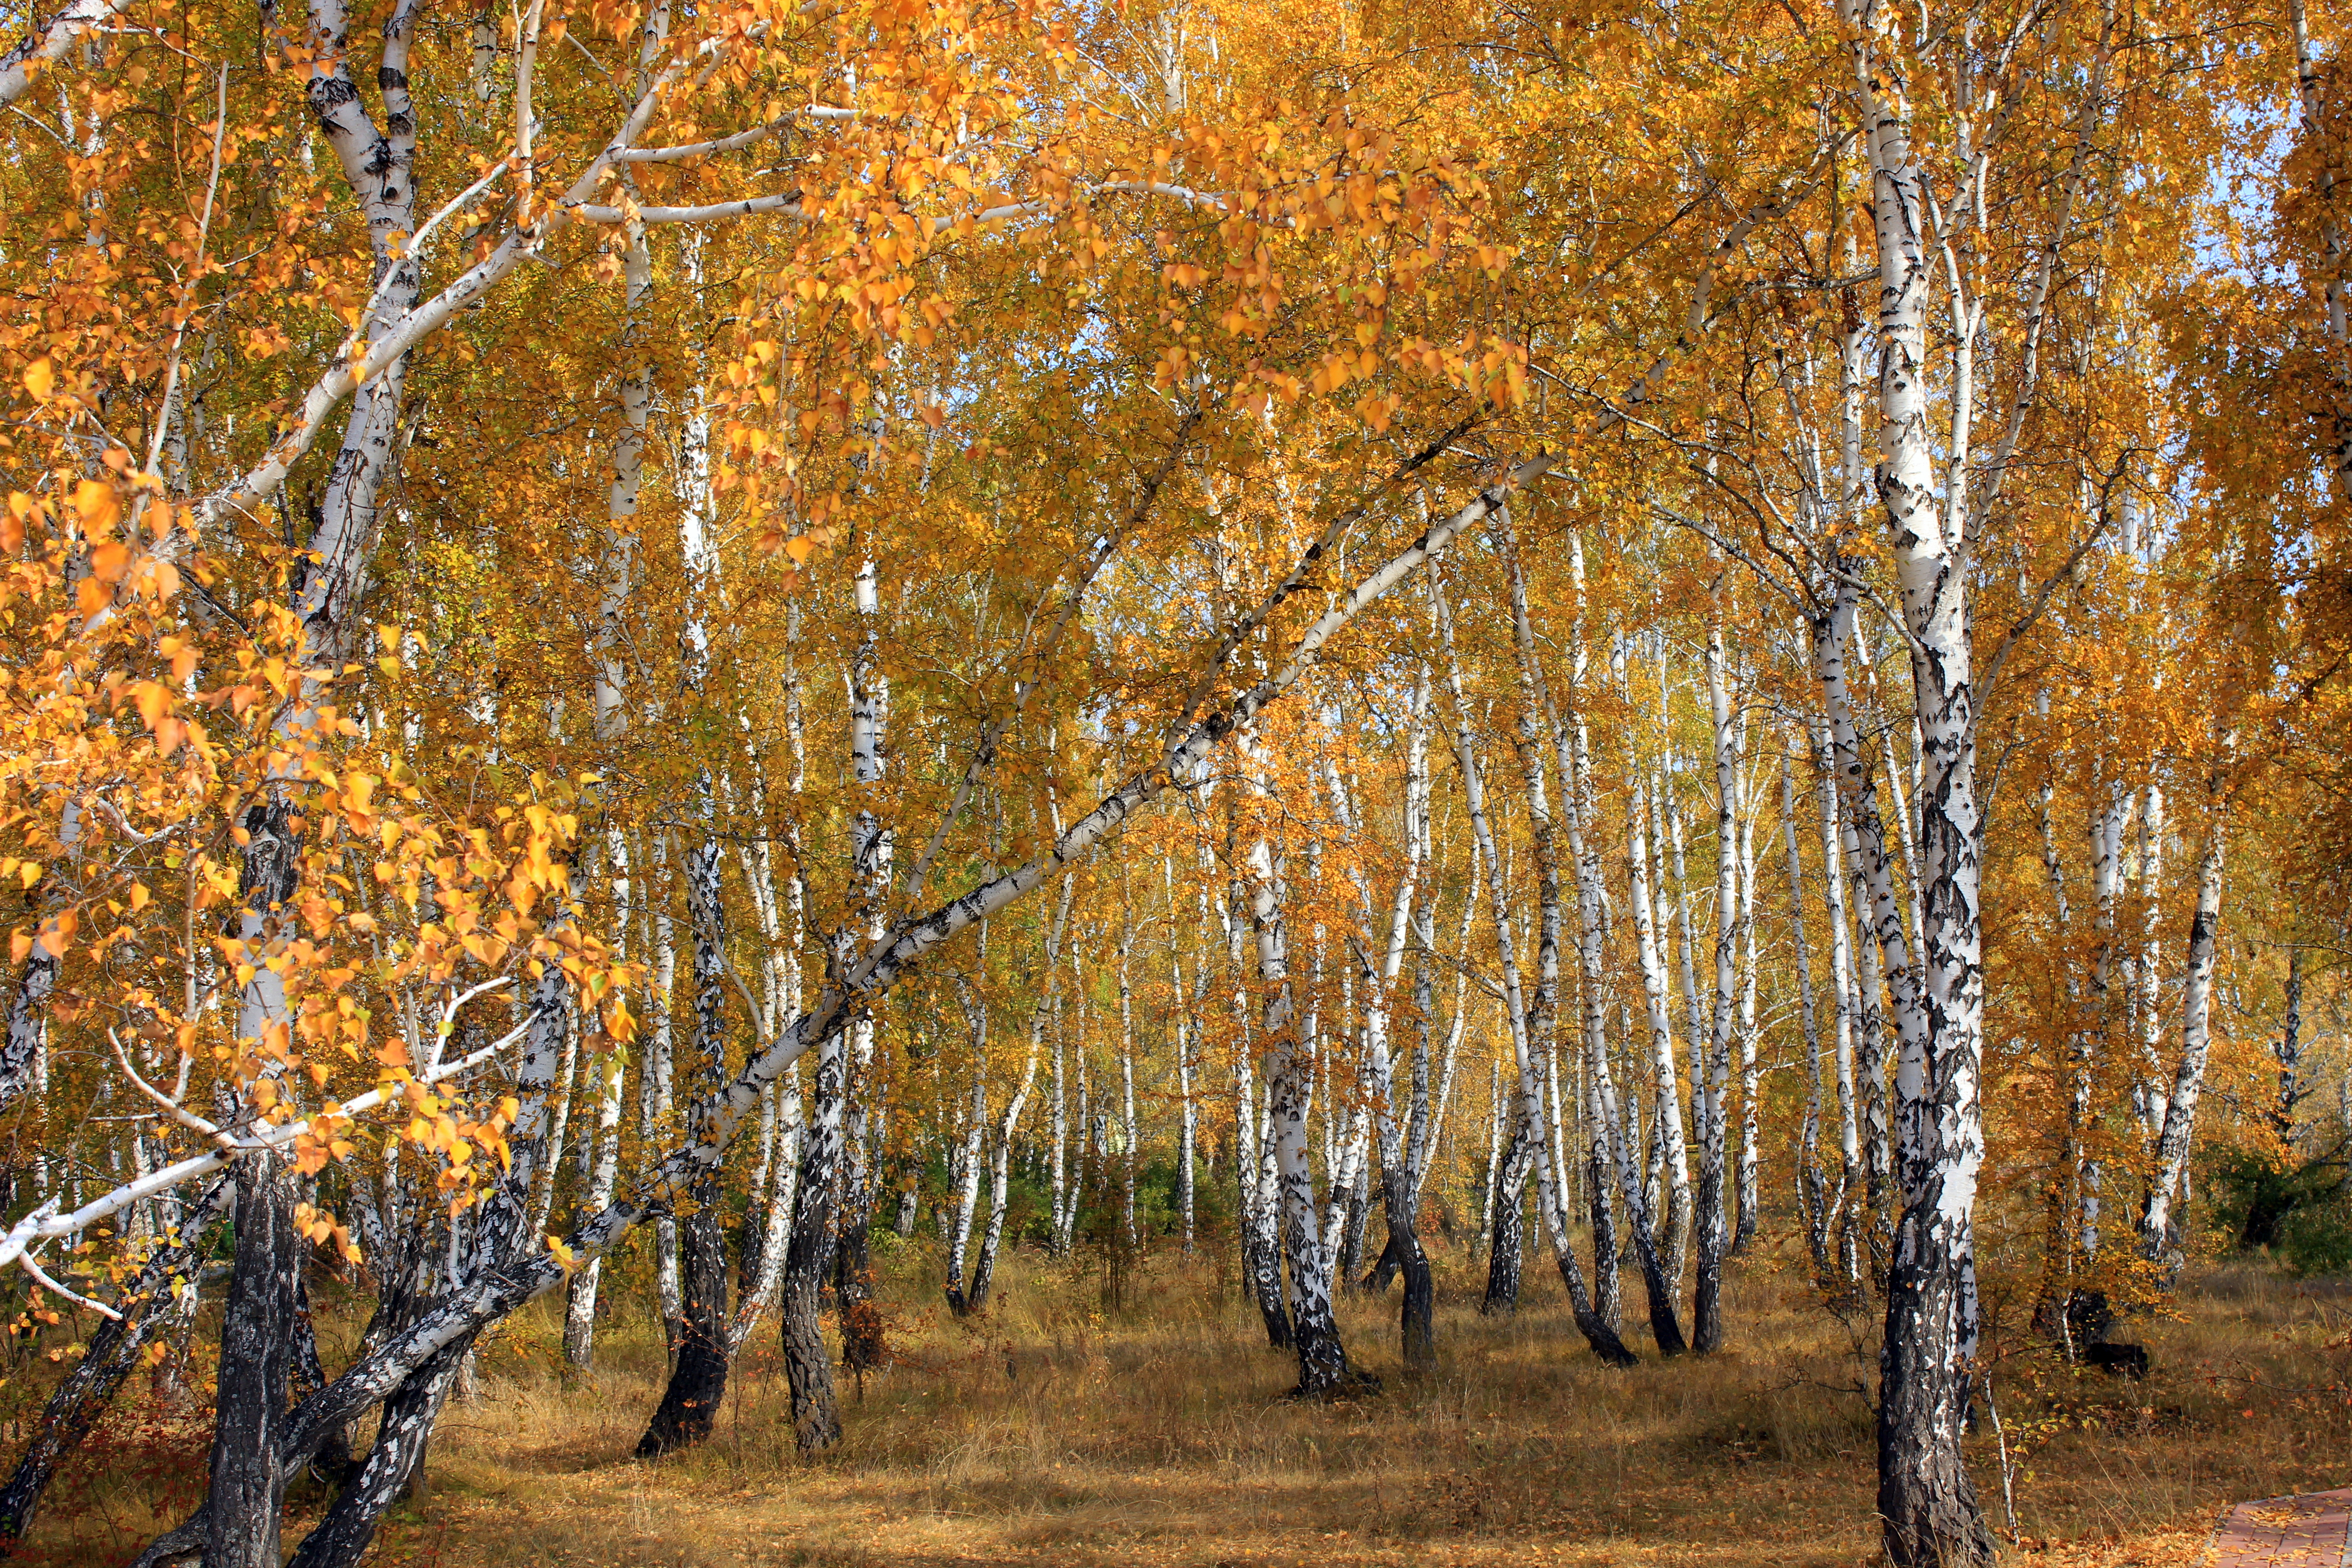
(1876, 916)
(239, 1527)
(500, 1236)
(148, 1304)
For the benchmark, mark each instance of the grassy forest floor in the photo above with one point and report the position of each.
(1055, 1431)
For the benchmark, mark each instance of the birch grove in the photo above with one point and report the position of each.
(698, 657)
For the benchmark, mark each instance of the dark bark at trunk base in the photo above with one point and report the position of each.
(808, 1366)
(1266, 1288)
(1506, 1252)
(1596, 1329)
(1926, 1503)
(1504, 1257)
(1384, 1268)
(1604, 1340)
(248, 1495)
(1608, 1291)
(1706, 1294)
(393, 1464)
(1664, 1326)
(1404, 1254)
(1418, 1317)
(1323, 1369)
(698, 1380)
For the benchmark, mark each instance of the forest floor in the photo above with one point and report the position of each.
(1054, 1431)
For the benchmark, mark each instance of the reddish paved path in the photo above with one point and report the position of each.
(2306, 1531)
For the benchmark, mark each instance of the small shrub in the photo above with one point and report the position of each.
(2316, 1239)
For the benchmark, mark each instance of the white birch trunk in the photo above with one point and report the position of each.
(2157, 1238)
(1926, 1499)
(965, 1167)
(1323, 1367)
(1666, 1119)
(1711, 1090)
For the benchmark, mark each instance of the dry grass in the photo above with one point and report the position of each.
(1049, 1432)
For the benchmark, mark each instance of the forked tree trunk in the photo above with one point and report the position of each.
(1323, 1369)
(395, 1461)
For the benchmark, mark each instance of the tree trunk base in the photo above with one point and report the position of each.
(1353, 1383)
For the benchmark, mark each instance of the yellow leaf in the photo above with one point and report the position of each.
(153, 700)
(40, 378)
(98, 505)
(57, 933)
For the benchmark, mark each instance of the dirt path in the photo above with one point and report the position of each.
(2306, 1531)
